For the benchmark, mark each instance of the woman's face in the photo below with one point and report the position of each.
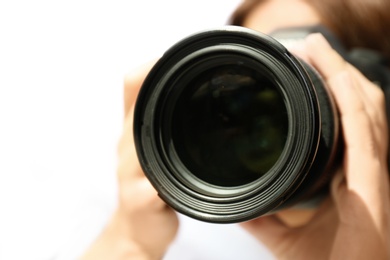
(274, 14)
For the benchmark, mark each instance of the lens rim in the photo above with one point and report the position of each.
(208, 59)
(198, 62)
(215, 203)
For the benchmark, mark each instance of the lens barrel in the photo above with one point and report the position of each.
(229, 126)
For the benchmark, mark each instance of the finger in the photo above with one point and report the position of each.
(324, 57)
(133, 83)
(296, 217)
(350, 104)
(127, 139)
(139, 195)
(370, 107)
(128, 164)
(345, 92)
(374, 100)
(333, 66)
(338, 184)
(299, 50)
(364, 168)
(371, 95)
(269, 230)
(372, 91)
(362, 150)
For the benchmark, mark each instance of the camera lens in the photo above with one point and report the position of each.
(228, 126)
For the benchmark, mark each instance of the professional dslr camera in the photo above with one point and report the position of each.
(229, 125)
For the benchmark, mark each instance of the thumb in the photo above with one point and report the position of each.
(133, 83)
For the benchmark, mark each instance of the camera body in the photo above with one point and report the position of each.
(229, 125)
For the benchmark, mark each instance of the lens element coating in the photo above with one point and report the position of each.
(230, 125)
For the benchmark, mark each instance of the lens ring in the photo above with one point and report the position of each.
(208, 58)
(216, 204)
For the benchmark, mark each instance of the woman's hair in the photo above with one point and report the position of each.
(357, 23)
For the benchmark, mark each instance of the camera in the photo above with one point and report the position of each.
(229, 125)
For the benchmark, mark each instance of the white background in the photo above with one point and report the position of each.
(62, 65)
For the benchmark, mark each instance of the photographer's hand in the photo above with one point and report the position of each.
(142, 226)
(354, 223)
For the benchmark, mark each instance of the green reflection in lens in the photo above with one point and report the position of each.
(230, 125)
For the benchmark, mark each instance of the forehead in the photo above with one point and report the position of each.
(273, 14)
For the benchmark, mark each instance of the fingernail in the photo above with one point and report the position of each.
(317, 39)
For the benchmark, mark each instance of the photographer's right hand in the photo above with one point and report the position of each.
(354, 222)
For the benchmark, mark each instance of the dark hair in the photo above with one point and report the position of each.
(357, 23)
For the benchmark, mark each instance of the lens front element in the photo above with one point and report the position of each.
(230, 125)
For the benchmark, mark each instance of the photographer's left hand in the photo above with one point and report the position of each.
(143, 226)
